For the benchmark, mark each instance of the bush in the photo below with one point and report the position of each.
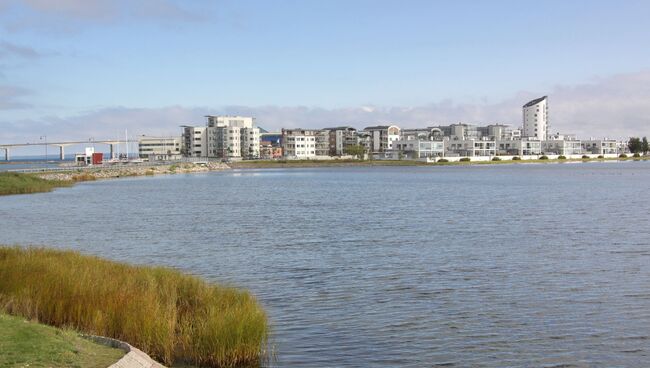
(585, 157)
(168, 315)
(636, 155)
(561, 157)
(465, 159)
(601, 156)
(544, 157)
(516, 158)
(622, 155)
(443, 160)
(496, 158)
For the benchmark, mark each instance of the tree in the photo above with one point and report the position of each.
(356, 150)
(644, 146)
(635, 145)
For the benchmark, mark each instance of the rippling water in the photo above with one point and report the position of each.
(485, 266)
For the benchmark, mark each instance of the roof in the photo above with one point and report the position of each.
(380, 127)
(535, 101)
(340, 128)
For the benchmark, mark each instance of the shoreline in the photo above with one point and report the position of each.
(63, 177)
(263, 164)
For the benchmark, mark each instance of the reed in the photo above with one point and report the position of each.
(171, 316)
(16, 183)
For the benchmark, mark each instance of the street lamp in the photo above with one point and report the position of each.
(44, 137)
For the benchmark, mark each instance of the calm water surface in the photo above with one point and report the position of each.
(487, 266)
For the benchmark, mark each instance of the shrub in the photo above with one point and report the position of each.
(561, 157)
(465, 159)
(169, 315)
(544, 157)
(636, 155)
(601, 156)
(516, 158)
(443, 160)
(496, 158)
(622, 155)
(585, 157)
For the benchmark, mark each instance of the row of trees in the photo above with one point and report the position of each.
(638, 145)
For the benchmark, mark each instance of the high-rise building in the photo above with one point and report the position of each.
(536, 119)
(233, 137)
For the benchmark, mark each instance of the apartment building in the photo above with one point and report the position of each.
(381, 137)
(232, 137)
(194, 141)
(419, 147)
(600, 146)
(535, 119)
(340, 138)
(299, 143)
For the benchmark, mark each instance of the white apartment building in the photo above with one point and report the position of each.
(536, 119)
(562, 147)
(600, 146)
(299, 143)
(420, 147)
(195, 141)
(471, 147)
(232, 137)
(159, 148)
(382, 137)
(519, 147)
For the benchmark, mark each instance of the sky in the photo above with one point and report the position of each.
(81, 69)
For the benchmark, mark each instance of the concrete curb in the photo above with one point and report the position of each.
(134, 357)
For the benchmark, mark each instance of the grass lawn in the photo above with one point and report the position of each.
(28, 344)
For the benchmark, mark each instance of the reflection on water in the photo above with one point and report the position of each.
(491, 266)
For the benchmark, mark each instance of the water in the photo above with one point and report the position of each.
(485, 266)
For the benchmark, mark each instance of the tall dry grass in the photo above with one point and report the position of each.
(169, 315)
(16, 183)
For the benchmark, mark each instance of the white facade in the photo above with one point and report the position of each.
(159, 146)
(519, 147)
(299, 143)
(536, 119)
(600, 146)
(420, 148)
(562, 147)
(232, 137)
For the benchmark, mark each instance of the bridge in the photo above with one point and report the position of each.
(111, 142)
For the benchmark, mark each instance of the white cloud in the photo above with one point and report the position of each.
(616, 106)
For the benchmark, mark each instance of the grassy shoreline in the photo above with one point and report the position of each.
(16, 183)
(171, 316)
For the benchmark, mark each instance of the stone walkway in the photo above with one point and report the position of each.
(134, 358)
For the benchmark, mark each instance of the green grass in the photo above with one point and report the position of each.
(16, 183)
(171, 316)
(28, 344)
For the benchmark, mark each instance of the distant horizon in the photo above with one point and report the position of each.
(95, 68)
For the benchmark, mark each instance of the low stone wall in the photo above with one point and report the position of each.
(134, 358)
(118, 171)
(524, 157)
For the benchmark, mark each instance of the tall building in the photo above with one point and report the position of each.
(536, 119)
(232, 137)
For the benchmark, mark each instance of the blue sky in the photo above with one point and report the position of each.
(75, 67)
